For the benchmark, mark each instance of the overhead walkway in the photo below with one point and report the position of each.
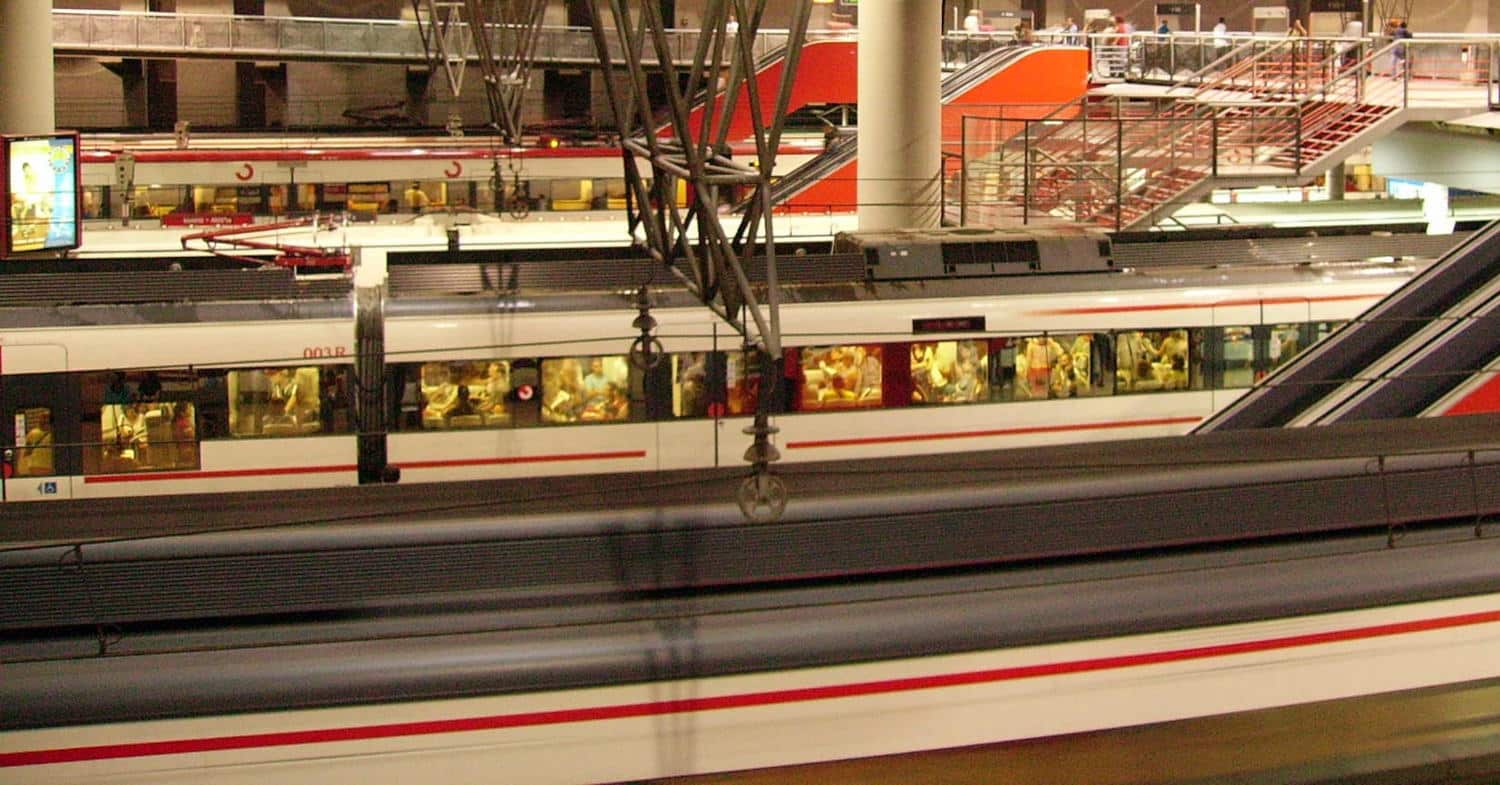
(1030, 81)
(1281, 111)
(1429, 348)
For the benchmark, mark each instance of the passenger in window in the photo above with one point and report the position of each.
(1135, 355)
(184, 436)
(1040, 353)
(869, 375)
(562, 384)
(439, 393)
(130, 434)
(118, 391)
(840, 376)
(964, 386)
(150, 387)
(496, 387)
(1065, 382)
(1173, 351)
(596, 387)
(283, 390)
(1082, 351)
(921, 373)
(36, 456)
(462, 414)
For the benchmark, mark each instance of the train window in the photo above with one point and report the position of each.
(949, 372)
(835, 377)
(146, 436)
(1237, 356)
(1151, 360)
(690, 386)
(586, 389)
(1285, 343)
(276, 402)
(1079, 370)
(465, 394)
(34, 429)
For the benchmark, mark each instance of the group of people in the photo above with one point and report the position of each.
(571, 395)
(842, 375)
(459, 394)
(948, 372)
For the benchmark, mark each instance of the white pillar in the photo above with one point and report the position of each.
(900, 114)
(26, 73)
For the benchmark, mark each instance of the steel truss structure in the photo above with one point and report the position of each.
(501, 35)
(692, 147)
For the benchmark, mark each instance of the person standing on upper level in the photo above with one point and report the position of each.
(1398, 54)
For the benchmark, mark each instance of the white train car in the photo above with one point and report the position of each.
(227, 176)
(196, 398)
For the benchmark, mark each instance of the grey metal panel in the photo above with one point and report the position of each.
(158, 286)
(1312, 248)
(601, 552)
(602, 275)
(423, 656)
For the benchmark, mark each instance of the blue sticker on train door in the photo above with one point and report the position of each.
(48, 488)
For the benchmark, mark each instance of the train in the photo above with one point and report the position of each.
(449, 373)
(228, 176)
(1091, 673)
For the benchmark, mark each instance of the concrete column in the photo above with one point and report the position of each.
(900, 114)
(1336, 177)
(26, 75)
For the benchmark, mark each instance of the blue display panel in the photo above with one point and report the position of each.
(40, 190)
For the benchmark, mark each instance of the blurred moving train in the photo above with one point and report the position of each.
(226, 175)
(188, 397)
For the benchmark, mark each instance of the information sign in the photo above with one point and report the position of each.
(40, 190)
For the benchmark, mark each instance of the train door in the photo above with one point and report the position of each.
(39, 425)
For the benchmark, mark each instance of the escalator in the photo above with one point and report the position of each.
(1407, 356)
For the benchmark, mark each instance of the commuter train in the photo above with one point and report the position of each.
(223, 175)
(192, 397)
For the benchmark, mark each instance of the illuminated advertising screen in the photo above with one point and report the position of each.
(41, 191)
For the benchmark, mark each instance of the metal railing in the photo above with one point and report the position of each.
(1273, 107)
(214, 36)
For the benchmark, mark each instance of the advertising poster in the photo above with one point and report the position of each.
(41, 188)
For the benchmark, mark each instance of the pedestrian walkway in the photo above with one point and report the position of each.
(1270, 111)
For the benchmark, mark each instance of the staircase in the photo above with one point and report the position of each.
(1291, 109)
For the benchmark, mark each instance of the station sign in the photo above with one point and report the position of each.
(948, 324)
(1338, 6)
(1176, 9)
(40, 190)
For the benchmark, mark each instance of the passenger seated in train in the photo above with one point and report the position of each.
(275, 402)
(839, 376)
(439, 394)
(463, 414)
(36, 454)
(1135, 358)
(570, 396)
(1173, 362)
(496, 386)
(126, 436)
(1066, 381)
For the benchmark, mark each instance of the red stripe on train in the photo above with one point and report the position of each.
(922, 437)
(743, 700)
(218, 474)
(579, 456)
(1180, 306)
